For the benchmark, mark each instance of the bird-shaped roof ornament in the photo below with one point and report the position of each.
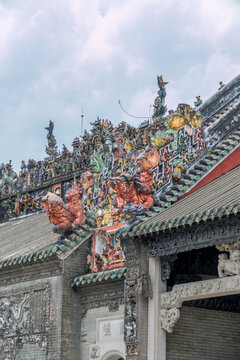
(161, 82)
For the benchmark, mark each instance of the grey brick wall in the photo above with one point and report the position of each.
(30, 352)
(74, 265)
(203, 334)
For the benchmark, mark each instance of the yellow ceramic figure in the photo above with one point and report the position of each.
(176, 121)
(106, 217)
(177, 172)
(99, 218)
(128, 146)
(160, 142)
(195, 120)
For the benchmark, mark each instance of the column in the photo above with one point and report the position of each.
(156, 335)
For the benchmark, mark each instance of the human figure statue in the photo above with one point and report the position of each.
(159, 103)
(50, 128)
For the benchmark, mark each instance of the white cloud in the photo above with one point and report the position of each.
(209, 21)
(59, 57)
(140, 106)
(203, 79)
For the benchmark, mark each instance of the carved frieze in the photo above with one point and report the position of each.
(188, 238)
(24, 318)
(194, 291)
(112, 299)
(6, 280)
(200, 290)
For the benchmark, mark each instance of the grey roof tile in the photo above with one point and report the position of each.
(26, 235)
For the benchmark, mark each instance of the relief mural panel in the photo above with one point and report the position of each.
(24, 319)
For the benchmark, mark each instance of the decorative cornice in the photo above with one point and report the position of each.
(87, 279)
(186, 238)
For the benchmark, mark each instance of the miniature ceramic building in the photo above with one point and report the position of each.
(129, 246)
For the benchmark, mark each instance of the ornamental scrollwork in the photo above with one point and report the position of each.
(169, 318)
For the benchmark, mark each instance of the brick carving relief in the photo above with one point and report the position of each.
(134, 285)
(112, 299)
(24, 318)
(187, 238)
(9, 280)
(132, 350)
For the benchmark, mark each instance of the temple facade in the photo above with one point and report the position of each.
(128, 246)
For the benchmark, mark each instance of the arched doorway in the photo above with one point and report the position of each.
(112, 356)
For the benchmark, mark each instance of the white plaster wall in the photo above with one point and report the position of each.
(92, 333)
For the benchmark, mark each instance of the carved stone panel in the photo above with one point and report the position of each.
(171, 301)
(24, 319)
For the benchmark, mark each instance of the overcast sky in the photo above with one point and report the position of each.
(59, 56)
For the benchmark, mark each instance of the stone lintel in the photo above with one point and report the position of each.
(172, 301)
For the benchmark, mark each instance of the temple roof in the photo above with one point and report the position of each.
(30, 239)
(160, 161)
(219, 198)
(25, 235)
